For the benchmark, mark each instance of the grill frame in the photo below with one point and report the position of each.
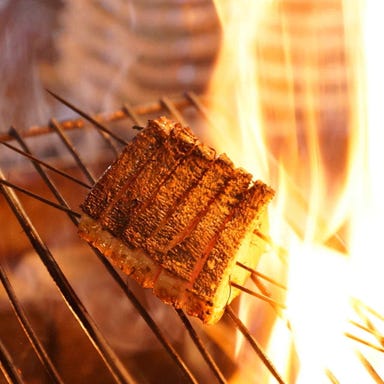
(172, 107)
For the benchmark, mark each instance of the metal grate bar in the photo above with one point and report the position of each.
(251, 340)
(200, 345)
(195, 101)
(64, 138)
(111, 360)
(40, 198)
(168, 105)
(43, 174)
(331, 377)
(149, 320)
(8, 367)
(367, 319)
(77, 124)
(104, 132)
(129, 110)
(26, 325)
(46, 165)
(170, 108)
(260, 275)
(370, 369)
(265, 298)
(88, 117)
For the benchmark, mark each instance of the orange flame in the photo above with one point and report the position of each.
(296, 100)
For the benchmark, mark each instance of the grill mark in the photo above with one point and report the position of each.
(113, 218)
(142, 206)
(185, 217)
(154, 214)
(223, 253)
(193, 223)
(201, 262)
(178, 202)
(190, 248)
(115, 176)
(108, 217)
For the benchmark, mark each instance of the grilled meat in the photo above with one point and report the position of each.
(177, 217)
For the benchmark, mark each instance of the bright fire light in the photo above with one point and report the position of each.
(297, 99)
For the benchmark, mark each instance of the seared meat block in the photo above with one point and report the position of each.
(169, 195)
(177, 217)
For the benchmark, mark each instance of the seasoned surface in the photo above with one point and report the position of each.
(176, 217)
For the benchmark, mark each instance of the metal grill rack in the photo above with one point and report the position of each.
(77, 166)
(181, 109)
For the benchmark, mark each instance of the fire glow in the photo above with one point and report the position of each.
(332, 219)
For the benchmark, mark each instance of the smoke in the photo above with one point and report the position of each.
(95, 52)
(25, 45)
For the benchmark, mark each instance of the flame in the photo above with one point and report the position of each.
(296, 98)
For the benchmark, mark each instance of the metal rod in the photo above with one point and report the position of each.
(69, 145)
(368, 308)
(46, 165)
(130, 111)
(109, 357)
(258, 295)
(254, 344)
(364, 342)
(121, 114)
(48, 181)
(158, 106)
(148, 319)
(371, 330)
(363, 327)
(199, 344)
(7, 366)
(261, 275)
(167, 104)
(369, 325)
(40, 198)
(28, 330)
(262, 288)
(195, 100)
(88, 117)
(103, 131)
(370, 369)
(332, 378)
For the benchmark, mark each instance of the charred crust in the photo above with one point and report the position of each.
(176, 216)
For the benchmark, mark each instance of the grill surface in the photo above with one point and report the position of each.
(43, 185)
(58, 191)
